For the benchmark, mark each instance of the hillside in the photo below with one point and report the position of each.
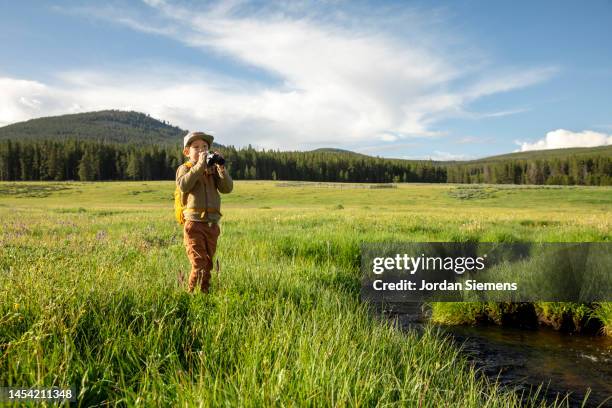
(122, 127)
(605, 151)
(135, 127)
(109, 126)
(546, 154)
(336, 150)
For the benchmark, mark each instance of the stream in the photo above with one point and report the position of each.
(522, 359)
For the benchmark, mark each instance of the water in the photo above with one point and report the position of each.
(526, 358)
(521, 359)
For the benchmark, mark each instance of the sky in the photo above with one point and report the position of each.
(452, 80)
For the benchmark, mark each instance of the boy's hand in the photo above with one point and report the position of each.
(202, 157)
(219, 167)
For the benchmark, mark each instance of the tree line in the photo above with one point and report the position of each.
(595, 170)
(88, 160)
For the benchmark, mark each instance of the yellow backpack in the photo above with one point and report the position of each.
(178, 202)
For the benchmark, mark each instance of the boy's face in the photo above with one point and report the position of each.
(193, 150)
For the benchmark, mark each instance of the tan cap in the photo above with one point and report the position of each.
(191, 136)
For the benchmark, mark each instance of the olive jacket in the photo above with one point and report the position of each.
(200, 188)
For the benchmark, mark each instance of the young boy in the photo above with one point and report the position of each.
(200, 186)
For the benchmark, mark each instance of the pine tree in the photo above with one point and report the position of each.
(133, 167)
(86, 169)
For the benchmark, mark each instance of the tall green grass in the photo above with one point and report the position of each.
(90, 297)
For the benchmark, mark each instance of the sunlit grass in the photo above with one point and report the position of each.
(90, 297)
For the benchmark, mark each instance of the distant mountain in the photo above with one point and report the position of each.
(109, 125)
(139, 147)
(530, 155)
(547, 154)
(335, 150)
(135, 127)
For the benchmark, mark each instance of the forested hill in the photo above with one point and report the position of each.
(340, 151)
(116, 145)
(106, 126)
(547, 154)
(584, 165)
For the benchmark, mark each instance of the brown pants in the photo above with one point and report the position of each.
(200, 239)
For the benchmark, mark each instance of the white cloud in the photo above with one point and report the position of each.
(561, 138)
(497, 114)
(23, 99)
(387, 137)
(337, 84)
(472, 140)
(385, 150)
(509, 80)
(440, 156)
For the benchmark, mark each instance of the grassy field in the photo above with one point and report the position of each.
(88, 282)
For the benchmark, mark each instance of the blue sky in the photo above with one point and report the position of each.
(442, 80)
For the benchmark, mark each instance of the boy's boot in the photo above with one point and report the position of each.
(201, 278)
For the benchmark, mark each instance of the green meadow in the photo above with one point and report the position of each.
(90, 296)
